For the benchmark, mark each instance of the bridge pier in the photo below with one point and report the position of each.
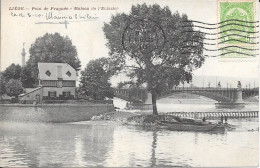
(237, 100)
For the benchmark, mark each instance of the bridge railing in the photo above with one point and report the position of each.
(202, 88)
(195, 88)
(250, 89)
(124, 91)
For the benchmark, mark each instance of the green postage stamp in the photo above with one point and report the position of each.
(237, 29)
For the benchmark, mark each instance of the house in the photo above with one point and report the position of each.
(56, 81)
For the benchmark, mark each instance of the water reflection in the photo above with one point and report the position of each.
(54, 144)
(106, 144)
(154, 144)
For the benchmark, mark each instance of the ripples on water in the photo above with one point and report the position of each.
(110, 144)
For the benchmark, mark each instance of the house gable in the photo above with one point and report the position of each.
(56, 71)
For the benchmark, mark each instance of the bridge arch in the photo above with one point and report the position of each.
(222, 95)
(211, 95)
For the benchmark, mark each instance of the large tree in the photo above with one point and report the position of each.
(28, 80)
(94, 80)
(14, 87)
(12, 72)
(49, 48)
(156, 46)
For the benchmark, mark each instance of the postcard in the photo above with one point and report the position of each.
(90, 83)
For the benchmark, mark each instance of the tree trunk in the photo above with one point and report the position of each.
(154, 102)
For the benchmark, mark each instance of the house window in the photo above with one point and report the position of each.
(52, 94)
(48, 73)
(66, 94)
(68, 73)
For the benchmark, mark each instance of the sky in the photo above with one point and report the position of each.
(88, 36)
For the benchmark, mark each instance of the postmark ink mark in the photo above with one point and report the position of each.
(143, 36)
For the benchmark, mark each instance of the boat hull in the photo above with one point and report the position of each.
(190, 127)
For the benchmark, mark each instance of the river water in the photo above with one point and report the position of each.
(106, 143)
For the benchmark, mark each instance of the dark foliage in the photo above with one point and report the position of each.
(14, 88)
(94, 80)
(170, 61)
(12, 72)
(2, 86)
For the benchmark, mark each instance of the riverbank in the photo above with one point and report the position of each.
(118, 116)
(136, 119)
(52, 113)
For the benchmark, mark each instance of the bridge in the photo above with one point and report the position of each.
(226, 97)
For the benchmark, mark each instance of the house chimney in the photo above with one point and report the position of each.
(59, 71)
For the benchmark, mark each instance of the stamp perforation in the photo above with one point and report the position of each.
(237, 44)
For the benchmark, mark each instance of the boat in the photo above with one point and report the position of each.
(186, 126)
(229, 126)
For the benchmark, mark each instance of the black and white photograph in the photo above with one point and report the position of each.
(108, 83)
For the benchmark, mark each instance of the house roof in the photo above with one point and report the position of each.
(53, 71)
(29, 90)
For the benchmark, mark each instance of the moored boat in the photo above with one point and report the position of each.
(183, 126)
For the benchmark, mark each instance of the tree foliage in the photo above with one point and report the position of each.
(163, 49)
(27, 79)
(94, 80)
(12, 72)
(2, 85)
(14, 87)
(49, 48)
